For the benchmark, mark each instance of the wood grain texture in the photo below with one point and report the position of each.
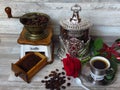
(105, 15)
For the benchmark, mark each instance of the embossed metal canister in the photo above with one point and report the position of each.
(74, 35)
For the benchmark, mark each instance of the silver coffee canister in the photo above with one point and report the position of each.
(74, 35)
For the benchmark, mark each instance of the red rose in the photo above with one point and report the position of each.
(72, 66)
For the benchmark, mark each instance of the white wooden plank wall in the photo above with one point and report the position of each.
(104, 14)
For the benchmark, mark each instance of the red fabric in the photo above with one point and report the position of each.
(72, 66)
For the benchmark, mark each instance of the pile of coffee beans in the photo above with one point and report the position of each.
(56, 80)
(34, 19)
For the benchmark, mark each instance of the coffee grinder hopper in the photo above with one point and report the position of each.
(35, 23)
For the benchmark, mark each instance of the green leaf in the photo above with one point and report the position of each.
(98, 44)
(116, 60)
(96, 53)
(118, 40)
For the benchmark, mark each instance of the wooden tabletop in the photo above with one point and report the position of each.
(10, 53)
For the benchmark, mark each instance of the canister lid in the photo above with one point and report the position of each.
(75, 22)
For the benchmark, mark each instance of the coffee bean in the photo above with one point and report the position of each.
(68, 78)
(63, 87)
(50, 75)
(46, 77)
(53, 72)
(57, 69)
(34, 19)
(68, 84)
(59, 74)
(63, 73)
(55, 80)
(43, 81)
(64, 77)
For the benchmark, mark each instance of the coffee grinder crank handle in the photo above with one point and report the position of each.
(9, 14)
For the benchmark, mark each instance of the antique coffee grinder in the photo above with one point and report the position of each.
(36, 35)
(74, 35)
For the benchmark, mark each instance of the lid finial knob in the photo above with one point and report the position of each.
(75, 18)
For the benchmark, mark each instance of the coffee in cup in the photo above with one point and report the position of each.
(98, 67)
